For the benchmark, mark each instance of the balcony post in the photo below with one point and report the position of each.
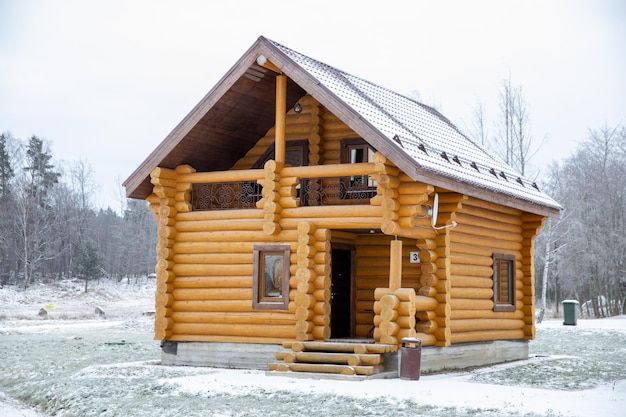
(281, 110)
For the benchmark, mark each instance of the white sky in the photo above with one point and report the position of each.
(106, 81)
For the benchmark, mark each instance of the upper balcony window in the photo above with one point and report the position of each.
(356, 151)
(296, 154)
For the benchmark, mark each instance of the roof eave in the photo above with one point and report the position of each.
(483, 193)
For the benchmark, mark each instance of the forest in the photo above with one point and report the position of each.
(50, 230)
(582, 255)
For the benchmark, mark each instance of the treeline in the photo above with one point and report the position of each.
(49, 229)
(582, 256)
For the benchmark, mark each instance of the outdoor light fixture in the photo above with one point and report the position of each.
(297, 108)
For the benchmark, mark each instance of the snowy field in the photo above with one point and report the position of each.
(78, 363)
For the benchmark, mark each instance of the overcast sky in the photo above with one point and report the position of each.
(106, 81)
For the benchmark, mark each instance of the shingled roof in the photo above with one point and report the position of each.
(417, 138)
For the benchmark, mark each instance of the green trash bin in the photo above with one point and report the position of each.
(570, 312)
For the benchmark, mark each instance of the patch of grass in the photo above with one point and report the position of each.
(583, 359)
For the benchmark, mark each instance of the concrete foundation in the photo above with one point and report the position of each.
(469, 355)
(258, 356)
(219, 355)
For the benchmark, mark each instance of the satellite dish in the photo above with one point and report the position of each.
(434, 210)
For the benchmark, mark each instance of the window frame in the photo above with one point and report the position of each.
(511, 277)
(364, 182)
(260, 299)
(300, 146)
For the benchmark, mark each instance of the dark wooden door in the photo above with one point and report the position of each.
(341, 322)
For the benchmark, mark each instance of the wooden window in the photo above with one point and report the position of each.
(354, 151)
(270, 287)
(296, 154)
(357, 187)
(503, 282)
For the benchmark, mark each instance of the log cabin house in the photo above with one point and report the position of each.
(310, 220)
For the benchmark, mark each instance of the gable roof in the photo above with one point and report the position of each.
(418, 139)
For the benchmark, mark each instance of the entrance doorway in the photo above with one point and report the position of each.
(342, 292)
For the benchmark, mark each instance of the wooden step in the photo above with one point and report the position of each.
(344, 358)
(360, 348)
(329, 357)
(326, 368)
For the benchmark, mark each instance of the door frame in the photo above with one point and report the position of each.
(352, 316)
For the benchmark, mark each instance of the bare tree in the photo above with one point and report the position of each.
(478, 130)
(511, 137)
(514, 142)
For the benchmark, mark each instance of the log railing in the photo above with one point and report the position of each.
(348, 185)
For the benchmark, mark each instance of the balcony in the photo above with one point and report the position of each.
(308, 190)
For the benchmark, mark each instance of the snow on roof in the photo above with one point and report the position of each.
(422, 133)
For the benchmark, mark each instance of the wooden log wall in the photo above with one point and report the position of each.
(316, 132)
(403, 201)
(312, 282)
(213, 269)
(484, 228)
(163, 205)
(426, 313)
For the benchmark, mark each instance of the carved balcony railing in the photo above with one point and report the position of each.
(225, 195)
(336, 191)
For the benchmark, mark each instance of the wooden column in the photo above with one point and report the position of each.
(271, 197)
(426, 302)
(305, 277)
(183, 190)
(281, 110)
(531, 226)
(395, 265)
(394, 315)
(162, 203)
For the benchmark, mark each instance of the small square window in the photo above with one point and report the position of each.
(270, 290)
(503, 282)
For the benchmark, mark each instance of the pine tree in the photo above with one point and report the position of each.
(89, 263)
(41, 175)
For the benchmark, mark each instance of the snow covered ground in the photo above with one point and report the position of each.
(78, 363)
